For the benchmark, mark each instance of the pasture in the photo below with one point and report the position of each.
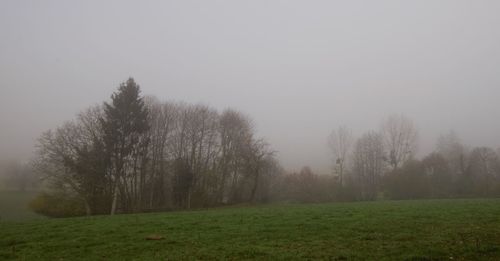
(384, 230)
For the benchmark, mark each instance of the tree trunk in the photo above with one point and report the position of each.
(255, 184)
(189, 199)
(88, 211)
(115, 199)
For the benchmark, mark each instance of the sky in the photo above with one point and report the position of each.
(298, 68)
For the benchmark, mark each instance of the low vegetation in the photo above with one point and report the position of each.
(381, 230)
(14, 205)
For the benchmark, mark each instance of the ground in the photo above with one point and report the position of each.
(384, 230)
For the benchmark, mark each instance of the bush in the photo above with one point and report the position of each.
(57, 205)
(407, 182)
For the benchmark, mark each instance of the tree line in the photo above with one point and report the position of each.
(382, 164)
(136, 154)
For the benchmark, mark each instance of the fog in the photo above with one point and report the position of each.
(298, 68)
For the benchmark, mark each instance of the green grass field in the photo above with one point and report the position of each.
(386, 230)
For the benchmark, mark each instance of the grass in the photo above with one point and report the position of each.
(14, 205)
(386, 230)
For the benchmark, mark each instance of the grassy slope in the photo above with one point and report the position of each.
(417, 230)
(14, 205)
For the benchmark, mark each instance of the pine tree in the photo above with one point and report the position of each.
(125, 123)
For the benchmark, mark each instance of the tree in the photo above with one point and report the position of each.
(407, 182)
(124, 123)
(269, 181)
(483, 161)
(72, 158)
(482, 174)
(455, 153)
(400, 138)
(340, 142)
(233, 128)
(162, 119)
(183, 183)
(140, 154)
(18, 175)
(368, 164)
(306, 185)
(440, 176)
(257, 155)
(196, 144)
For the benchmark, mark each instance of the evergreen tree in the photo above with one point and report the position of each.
(125, 123)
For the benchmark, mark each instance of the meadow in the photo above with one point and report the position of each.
(384, 230)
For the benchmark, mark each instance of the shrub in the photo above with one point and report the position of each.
(57, 205)
(407, 182)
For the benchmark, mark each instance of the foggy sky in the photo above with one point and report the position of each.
(298, 68)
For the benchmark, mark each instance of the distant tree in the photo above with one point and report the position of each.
(400, 137)
(455, 153)
(306, 185)
(300, 187)
(482, 174)
(483, 161)
(269, 181)
(257, 155)
(407, 182)
(18, 175)
(368, 164)
(440, 175)
(340, 143)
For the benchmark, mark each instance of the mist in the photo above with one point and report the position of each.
(249, 130)
(300, 69)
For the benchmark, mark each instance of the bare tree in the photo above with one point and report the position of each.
(234, 127)
(257, 155)
(483, 161)
(368, 163)
(196, 145)
(73, 157)
(400, 138)
(163, 119)
(340, 142)
(482, 174)
(18, 175)
(439, 173)
(450, 146)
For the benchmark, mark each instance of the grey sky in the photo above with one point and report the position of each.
(298, 68)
